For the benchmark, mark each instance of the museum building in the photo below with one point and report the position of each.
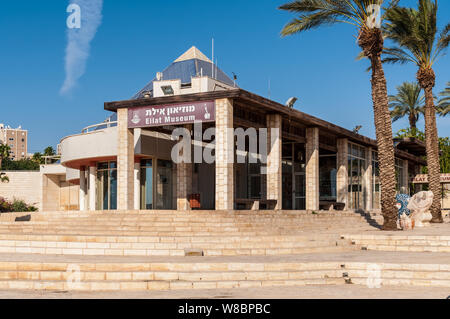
(125, 163)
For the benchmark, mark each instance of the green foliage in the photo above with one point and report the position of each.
(4, 151)
(416, 35)
(444, 147)
(49, 151)
(411, 132)
(444, 103)
(20, 165)
(16, 206)
(408, 102)
(4, 178)
(312, 14)
(24, 164)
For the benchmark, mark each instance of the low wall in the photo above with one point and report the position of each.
(24, 185)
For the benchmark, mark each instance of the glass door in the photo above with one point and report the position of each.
(164, 185)
(147, 184)
(299, 191)
(106, 187)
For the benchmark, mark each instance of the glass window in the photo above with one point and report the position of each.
(327, 177)
(376, 195)
(356, 169)
(106, 186)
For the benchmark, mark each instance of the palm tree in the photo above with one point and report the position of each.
(4, 152)
(407, 102)
(444, 102)
(363, 15)
(416, 36)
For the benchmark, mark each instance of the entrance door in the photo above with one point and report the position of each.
(106, 186)
(299, 198)
(147, 184)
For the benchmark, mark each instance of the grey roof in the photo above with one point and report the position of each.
(185, 70)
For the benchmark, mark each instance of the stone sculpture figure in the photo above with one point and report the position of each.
(404, 219)
(420, 205)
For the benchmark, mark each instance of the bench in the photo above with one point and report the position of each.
(255, 204)
(331, 205)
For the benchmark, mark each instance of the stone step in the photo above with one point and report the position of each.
(158, 285)
(412, 248)
(170, 239)
(217, 251)
(178, 223)
(171, 276)
(176, 245)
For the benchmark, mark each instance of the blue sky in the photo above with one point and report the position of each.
(138, 38)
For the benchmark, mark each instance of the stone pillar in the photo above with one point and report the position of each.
(92, 184)
(274, 186)
(137, 186)
(342, 171)
(224, 155)
(184, 181)
(312, 168)
(83, 189)
(125, 162)
(368, 182)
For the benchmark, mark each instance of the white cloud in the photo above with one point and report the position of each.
(78, 41)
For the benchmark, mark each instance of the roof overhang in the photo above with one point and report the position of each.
(263, 105)
(411, 145)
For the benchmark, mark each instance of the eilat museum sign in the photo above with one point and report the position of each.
(173, 114)
(423, 179)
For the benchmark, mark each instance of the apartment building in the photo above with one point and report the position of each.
(17, 139)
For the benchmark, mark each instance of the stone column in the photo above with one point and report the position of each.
(274, 143)
(125, 162)
(224, 155)
(92, 184)
(83, 189)
(368, 182)
(137, 186)
(312, 168)
(405, 177)
(184, 181)
(342, 171)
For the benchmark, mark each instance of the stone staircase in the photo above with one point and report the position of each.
(412, 243)
(170, 250)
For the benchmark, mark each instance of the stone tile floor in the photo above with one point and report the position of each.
(308, 292)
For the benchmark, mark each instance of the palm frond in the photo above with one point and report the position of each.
(315, 13)
(415, 31)
(407, 101)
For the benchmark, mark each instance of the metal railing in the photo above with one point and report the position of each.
(99, 126)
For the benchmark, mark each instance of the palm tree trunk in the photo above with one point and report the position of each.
(427, 79)
(371, 41)
(412, 122)
(386, 155)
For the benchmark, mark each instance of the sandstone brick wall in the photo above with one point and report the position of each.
(274, 168)
(125, 165)
(312, 168)
(22, 185)
(224, 155)
(342, 174)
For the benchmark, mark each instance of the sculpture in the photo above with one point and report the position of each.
(404, 219)
(420, 205)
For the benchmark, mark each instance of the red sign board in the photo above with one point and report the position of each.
(172, 114)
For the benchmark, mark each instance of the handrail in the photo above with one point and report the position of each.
(87, 129)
